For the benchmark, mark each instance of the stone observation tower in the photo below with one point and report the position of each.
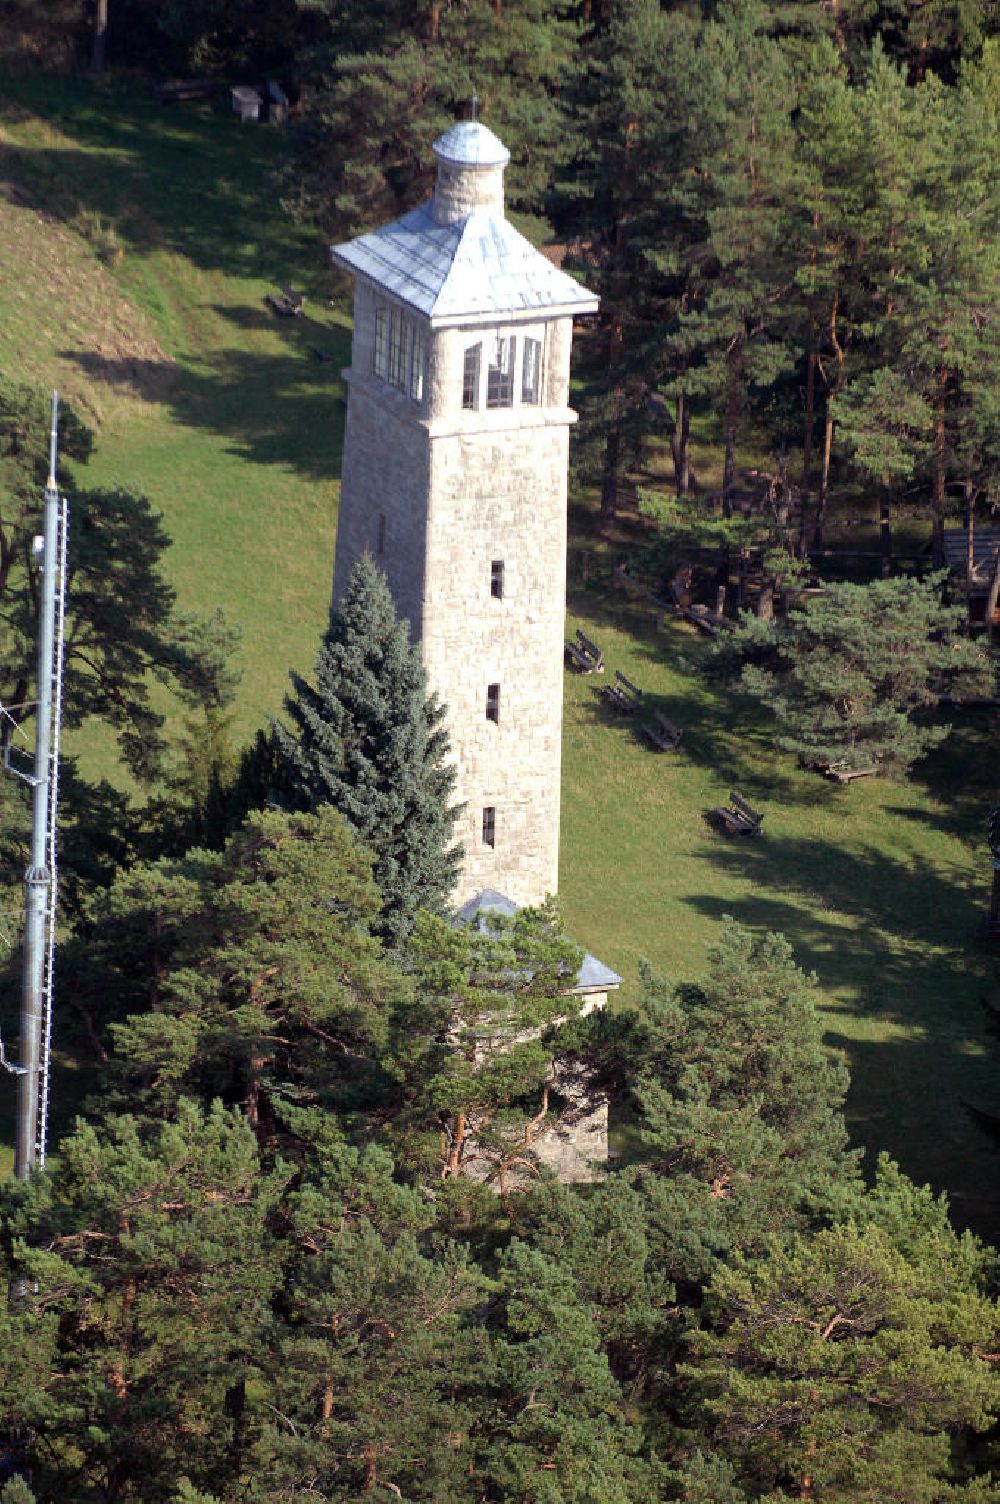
(454, 480)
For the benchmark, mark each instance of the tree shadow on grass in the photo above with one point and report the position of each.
(897, 937)
(188, 178)
(723, 730)
(962, 776)
(282, 409)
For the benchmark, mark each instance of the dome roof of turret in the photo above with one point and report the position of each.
(471, 144)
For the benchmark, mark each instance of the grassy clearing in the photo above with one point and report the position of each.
(145, 240)
(148, 238)
(878, 886)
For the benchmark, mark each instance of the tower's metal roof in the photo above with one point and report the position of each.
(471, 144)
(479, 266)
(593, 974)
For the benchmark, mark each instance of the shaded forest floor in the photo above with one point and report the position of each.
(146, 239)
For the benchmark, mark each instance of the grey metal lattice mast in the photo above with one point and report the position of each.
(36, 991)
(51, 836)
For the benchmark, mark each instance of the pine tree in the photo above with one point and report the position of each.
(741, 1103)
(474, 1050)
(846, 1367)
(922, 404)
(366, 738)
(845, 674)
(148, 1270)
(393, 77)
(558, 1431)
(381, 1355)
(734, 333)
(250, 975)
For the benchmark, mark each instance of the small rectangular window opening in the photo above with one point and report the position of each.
(496, 579)
(500, 373)
(490, 825)
(493, 703)
(530, 370)
(470, 377)
(381, 532)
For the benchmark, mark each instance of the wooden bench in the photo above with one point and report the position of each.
(623, 695)
(708, 622)
(577, 657)
(840, 772)
(296, 299)
(281, 304)
(663, 733)
(738, 818)
(179, 90)
(585, 655)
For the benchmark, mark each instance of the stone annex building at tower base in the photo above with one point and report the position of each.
(454, 481)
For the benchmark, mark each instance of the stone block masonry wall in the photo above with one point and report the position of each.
(436, 494)
(384, 479)
(501, 495)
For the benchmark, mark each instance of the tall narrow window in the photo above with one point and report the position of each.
(417, 360)
(381, 344)
(490, 825)
(493, 703)
(381, 532)
(500, 373)
(470, 376)
(530, 370)
(400, 330)
(496, 579)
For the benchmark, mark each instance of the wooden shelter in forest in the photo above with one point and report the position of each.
(973, 560)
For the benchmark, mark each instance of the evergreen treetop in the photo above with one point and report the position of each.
(845, 673)
(366, 738)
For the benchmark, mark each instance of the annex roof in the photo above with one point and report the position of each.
(593, 975)
(478, 267)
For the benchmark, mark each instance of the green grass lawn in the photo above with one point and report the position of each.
(878, 886)
(146, 239)
(143, 302)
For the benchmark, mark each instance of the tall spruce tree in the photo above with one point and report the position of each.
(366, 738)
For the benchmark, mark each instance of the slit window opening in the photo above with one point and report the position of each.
(490, 825)
(417, 361)
(496, 579)
(493, 703)
(399, 349)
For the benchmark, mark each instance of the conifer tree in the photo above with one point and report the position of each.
(844, 674)
(393, 77)
(366, 738)
(741, 1102)
(848, 1366)
(148, 1271)
(474, 1049)
(250, 975)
